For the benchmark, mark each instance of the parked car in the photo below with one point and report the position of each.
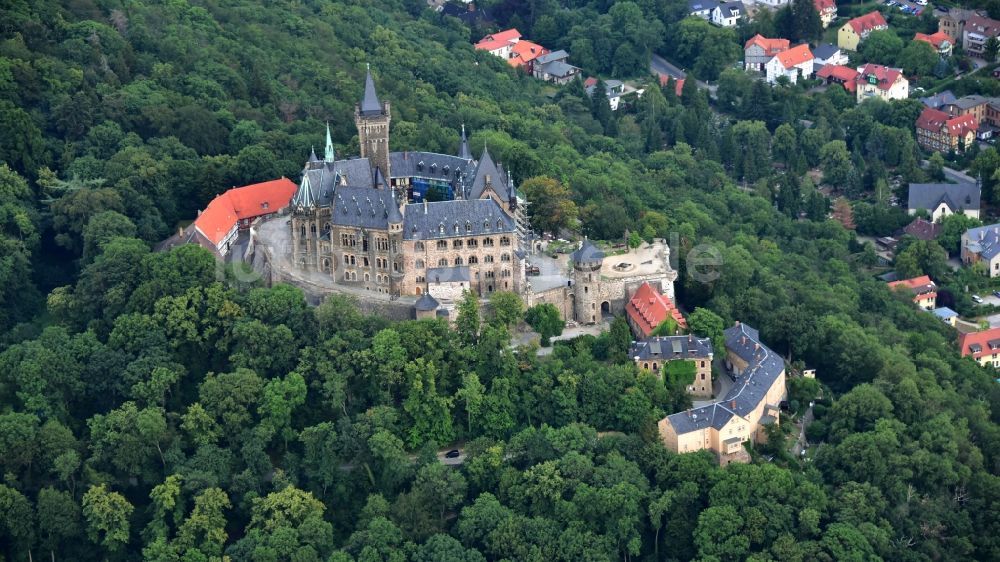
(453, 454)
(996, 294)
(977, 299)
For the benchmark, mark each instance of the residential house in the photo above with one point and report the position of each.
(946, 315)
(953, 21)
(524, 53)
(968, 105)
(825, 53)
(759, 49)
(702, 8)
(978, 29)
(856, 30)
(924, 290)
(875, 80)
(943, 199)
(616, 90)
(751, 404)
(981, 346)
(827, 10)
(552, 67)
(941, 41)
(653, 354)
(839, 74)
(939, 100)
(727, 14)
(982, 244)
(647, 309)
(938, 132)
(218, 226)
(793, 63)
(499, 44)
(923, 229)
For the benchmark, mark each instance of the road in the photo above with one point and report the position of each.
(953, 175)
(662, 67)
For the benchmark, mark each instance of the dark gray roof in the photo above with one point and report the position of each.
(587, 252)
(559, 55)
(557, 68)
(362, 207)
(305, 195)
(471, 217)
(699, 5)
(454, 274)
(426, 302)
(671, 347)
(825, 51)
(428, 165)
(939, 99)
(487, 169)
(463, 148)
(369, 103)
(958, 196)
(323, 176)
(749, 388)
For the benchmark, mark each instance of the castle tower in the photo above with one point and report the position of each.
(587, 263)
(372, 119)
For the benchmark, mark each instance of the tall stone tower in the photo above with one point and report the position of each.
(587, 263)
(372, 119)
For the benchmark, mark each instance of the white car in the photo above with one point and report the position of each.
(977, 298)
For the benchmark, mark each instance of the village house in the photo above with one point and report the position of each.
(941, 41)
(953, 21)
(499, 44)
(656, 354)
(922, 229)
(702, 8)
(939, 132)
(946, 315)
(218, 226)
(983, 346)
(552, 67)
(856, 30)
(939, 100)
(827, 10)
(839, 74)
(751, 404)
(524, 53)
(943, 199)
(982, 244)
(648, 309)
(615, 89)
(759, 49)
(924, 290)
(792, 64)
(825, 53)
(976, 32)
(875, 80)
(727, 14)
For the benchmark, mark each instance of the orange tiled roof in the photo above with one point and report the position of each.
(868, 22)
(922, 287)
(497, 40)
(648, 308)
(843, 75)
(827, 5)
(794, 56)
(222, 213)
(978, 344)
(524, 52)
(935, 39)
(678, 84)
(771, 46)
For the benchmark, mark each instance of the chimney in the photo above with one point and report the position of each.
(756, 346)
(737, 324)
(425, 206)
(732, 404)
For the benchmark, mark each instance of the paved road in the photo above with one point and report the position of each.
(662, 66)
(801, 442)
(954, 175)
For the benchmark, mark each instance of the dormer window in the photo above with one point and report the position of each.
(441, 228)
(264, 205)
(486, 224)
(499, 224)
(468, 226)
(456, 228)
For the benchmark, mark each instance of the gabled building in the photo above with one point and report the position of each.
(974, 105)
(924, 290)
(923, 229)
(702, 8)
(983, 346)
(826, 53)
(953, 21)
(875, 80)
(656, 353)
(939, 100)
(792, 64)
(553, 67)
(941, 41)
(751, 404)
(524, 53)
(852, 33)
(827, 10)
(943, 199)
(727, 14)
(499, 44)
(838, 74)
(982, 244)
(759, 49)
(946, 315)
(976, 32)
(647, 309)
(939, 132)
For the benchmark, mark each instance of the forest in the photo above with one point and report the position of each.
(154, 406)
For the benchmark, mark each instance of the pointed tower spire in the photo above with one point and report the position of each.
(463, 149)
(328, 156)
(369, 103)
(312, 155)
(304, 197)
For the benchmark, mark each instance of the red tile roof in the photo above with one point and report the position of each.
(978, 344)
(223, 213)
(935, 39)
(590, 82)
(828, 5)
(922, 287)
(935, 120)
(868, 22)
(524, 52)
(771, 46)
(885, 76)
(648, 308)
(795, 56)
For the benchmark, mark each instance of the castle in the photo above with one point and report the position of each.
(398, 223)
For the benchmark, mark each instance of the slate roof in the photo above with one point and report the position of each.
(557, 68)
(486, 168)
(430, 165)
(454, 274)
(968, 102)
(956, 195)
(325, 176)
(361, 207)
(426, 302)
(473, 217)
(671, 347)
(369, 103)
(749, 388)
(560, 55)
(587, 252)
(463, 147)
(939, 99)
(984, 240)
(701, 5)
(825, 50)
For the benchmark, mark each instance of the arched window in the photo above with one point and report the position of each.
(442, 245)
(419, 246)
(419, 264)
(442, 262)
(505, 241)
(505, 257)
(468, 226)
(473, 260)
(488, 259)
(456, 244)
(499, 224)
(458, 260)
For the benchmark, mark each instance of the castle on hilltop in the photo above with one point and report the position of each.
(397, 223)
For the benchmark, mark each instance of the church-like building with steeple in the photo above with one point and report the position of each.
(408, 223)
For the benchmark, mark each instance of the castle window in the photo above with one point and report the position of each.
(456, 228)
(487, 242)
(364, 261)
(346, 260)
(441, 228)
(442, 245)
(505, 257)
(499, 224)
(419, 264)
(458, 260)
(442, 262)
(505, 241)
(488, 259)
(490, 274)
(421, 279)
(486, 224)
(456, 244)
(585, 291)
(473, 260)
(395, 266)
(505, 273)
(471, 243)
(419, 246)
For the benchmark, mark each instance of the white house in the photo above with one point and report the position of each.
(793, 63)
(825, 53)
(727, 14)
(702, 8)
(943, 199)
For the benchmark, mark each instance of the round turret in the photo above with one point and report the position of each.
(587, 262)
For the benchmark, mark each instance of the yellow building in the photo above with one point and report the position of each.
(751, 404)
(853, 32)
(655, 353)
